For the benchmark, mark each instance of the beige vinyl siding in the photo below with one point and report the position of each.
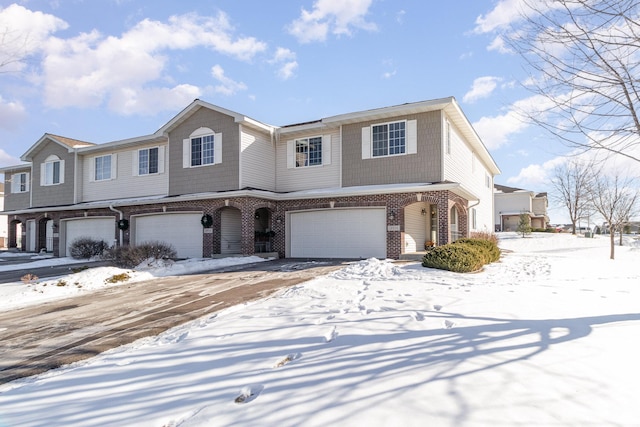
(257, 159)
(463, 165)
(52, 195)
(310, 177)
(422, 166)
(126, 184)
(415, 227)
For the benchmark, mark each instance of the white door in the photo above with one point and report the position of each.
(338, 233)
(94, 228)
(416, 217)
(181, 230)
(31, 235)
(230, 231)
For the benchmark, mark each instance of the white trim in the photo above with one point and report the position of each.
(411, 136)
(366, 142)
(326, 149)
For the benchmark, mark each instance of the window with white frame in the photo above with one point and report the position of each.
(203, 147)
(102, 168)
(309, 152)
(388, 139)
(52, 171)
(487, 180)
(20, 182)
(148, 161)
(448, 137)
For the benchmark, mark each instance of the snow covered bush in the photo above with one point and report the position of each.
(460, 258)
(86, 247)
(132, 256)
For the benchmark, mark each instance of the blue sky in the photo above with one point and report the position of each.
(105, 70)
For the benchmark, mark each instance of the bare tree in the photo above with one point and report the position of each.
(615, 198)
(583, 60)
(573, 183)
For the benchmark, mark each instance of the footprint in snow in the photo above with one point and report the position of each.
(249, 393)
(448, 324)
(417, 316)
(288, 358)
(437, 307)
(331, 335)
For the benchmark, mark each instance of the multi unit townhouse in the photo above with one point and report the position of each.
(511, 202)
(376, 183)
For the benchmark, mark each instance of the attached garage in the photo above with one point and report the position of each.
(338, 233)
(103, 228)
(182, 230)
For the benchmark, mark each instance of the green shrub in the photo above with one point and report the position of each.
(122, 277)
(132, 256)
(489, 250)
(86, 247)
(461, 258)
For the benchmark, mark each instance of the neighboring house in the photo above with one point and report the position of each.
(375, 183)
(510, 203)
(4, 230)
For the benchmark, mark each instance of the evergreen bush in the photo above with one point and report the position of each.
(132, 256)
(489, 250)
(460, 258)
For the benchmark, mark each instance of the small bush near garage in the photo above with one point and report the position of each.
(489, 250)
(132, 256)
(484, 235)
(460, 258)
(86, 247)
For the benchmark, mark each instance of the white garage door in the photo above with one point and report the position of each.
(182, 230)
(338, 233)
(95, 228)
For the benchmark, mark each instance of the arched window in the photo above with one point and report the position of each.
(203, 147)
(52, 171)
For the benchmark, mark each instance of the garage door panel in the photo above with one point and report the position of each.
(338, 233)
(95, 228)
(181, 230)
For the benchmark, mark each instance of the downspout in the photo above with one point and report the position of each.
(121, 218)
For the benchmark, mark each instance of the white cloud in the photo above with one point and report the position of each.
(153, 100)
(502, 15)
(495, 131)
(482, 88)
(498, 44)
(286, 60)
(11, 114)
(89, 69)
(388, 74)
(331, 16)
(23, 33)
(227, 86)
(536, 175)
(7, 159)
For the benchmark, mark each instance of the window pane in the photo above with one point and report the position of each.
(396, 138)
(56, 173)
(207, 150)
(103, 168)
(153, 160)
(380, 140)
(143, 162)
(196, 151)
(315, 151)
(302, 153)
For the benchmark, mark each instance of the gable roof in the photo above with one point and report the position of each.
(505, 189)
(68, 143)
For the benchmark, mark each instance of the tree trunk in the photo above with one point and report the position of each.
(621, 228)
(573, 228)
(612, 241)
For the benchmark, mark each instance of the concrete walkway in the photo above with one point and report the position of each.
(38, 338)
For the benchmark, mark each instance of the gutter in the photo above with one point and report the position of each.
(120, 239)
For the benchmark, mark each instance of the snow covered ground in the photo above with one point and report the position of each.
(548, 336)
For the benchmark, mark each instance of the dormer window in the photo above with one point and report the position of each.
(52, 171)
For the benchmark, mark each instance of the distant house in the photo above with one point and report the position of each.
(4, 228)
(374, 183)
(510, 203)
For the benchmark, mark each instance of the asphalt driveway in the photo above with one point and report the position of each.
(38, 338)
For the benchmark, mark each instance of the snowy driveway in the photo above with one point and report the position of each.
(48, 335)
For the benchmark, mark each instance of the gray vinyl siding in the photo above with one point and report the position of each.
(424, 166)
(52, 195)
(16, 201)
(224, 176)
(308, 178)
(257, 160)
(126, 184)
